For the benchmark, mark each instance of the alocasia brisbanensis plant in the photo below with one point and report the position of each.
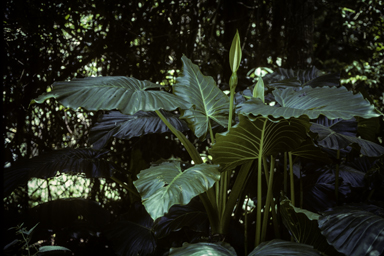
(289, 120)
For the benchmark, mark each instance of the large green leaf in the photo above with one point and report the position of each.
(279, 247)
(117, 125)
(353, 232)
(331, 102)
(249, 140)
(208, 101)
(81, 160)
(202, 248)
(192, 215)
(303, 226)
(309, 150)
(166, 184)
(125, 94)
(289, 78)
(132, 234)
(329, 138)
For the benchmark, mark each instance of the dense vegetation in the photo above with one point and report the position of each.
(323, 140)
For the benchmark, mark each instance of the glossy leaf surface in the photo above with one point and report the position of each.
(279, 247)
(117, 125)
(126, 94)
(303, 225)
(166, 184)
(132, 235)
(191, 215)
(208, 101)
(331, 139)
(331, 102)
(202, 248)
(250, 140)
(353, 232)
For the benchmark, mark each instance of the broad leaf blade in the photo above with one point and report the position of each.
(331, 102)
(303, 225)
(165, 185)
(329, 138)
(279, 247)
(126, 94)
(117, 125)
(250, 140)
(191, 215)
(198, 249)
(208, 101)
(353, 232)
(132, 235)
(81, 160)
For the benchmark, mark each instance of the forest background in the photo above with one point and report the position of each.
(48, 41)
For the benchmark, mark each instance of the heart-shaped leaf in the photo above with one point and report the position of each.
(217, 249)
(250, 140)
(126, 94)
(81, 160)
(117, 125)
(303, 226)
(132, 235)
(191, 215)
(279, 247)
(329, 138)
(331, 102)
(208, 101)
(166, 184)
(353, 232)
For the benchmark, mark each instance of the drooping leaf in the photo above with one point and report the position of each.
(302, 75)
(69, 212)
(202, 248)
(352, 176)
(329, 138)
(126, 94)
(303, 225)
(191, 215)
(309, 150)
(165, 185)
(117, 125)
(353, 232)
(208, 101)
(319, 188)
(81, 160)
(250, 140)
(132, 235)
(331, 102)
(53, 250)
(279, 247)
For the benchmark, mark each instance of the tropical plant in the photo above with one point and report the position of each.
(291, 145)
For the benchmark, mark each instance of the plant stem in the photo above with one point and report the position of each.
(259, 201)
(237, 189)
(192, 151)
(135, 193)
(337, 177)
(207, 197)
(268, 201)
(291, 178)
(211, 133)
(231, 102)
(246, 228)
(285, 174)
